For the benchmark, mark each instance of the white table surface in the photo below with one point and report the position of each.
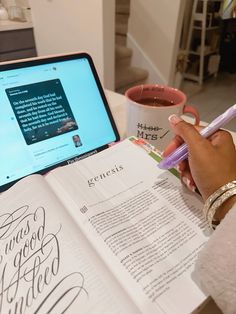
(117, 105)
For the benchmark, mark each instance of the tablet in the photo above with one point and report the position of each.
(53, 111)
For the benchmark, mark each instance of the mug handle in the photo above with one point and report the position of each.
(193, 111)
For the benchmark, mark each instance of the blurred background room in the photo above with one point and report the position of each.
(188, 44)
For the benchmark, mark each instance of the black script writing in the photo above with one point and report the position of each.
(152, 133)
(30, 261)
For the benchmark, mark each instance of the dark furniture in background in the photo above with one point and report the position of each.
(17, 44)
(228, 46)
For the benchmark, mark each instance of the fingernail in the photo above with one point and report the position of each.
(188, 184)
(174, 119)
(178, 168)
(193, 188)
(186, 181)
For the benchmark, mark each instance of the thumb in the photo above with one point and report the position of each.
(187, 132)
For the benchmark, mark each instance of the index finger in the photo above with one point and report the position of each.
(175, 143)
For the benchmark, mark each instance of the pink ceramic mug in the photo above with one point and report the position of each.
(148, 109)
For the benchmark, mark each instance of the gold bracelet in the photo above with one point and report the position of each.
(212, 198)
(218, 202)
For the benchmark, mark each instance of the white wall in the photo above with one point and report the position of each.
(62, 26)
(22, 3)
(108, 41)
(154, 27)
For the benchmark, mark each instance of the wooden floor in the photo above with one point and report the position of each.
(215, 96)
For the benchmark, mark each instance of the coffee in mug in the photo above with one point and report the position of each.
(156, 102)
(148, 109)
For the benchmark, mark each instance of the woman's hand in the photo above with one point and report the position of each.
(211, 162)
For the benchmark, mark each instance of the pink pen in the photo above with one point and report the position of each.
(181, 152)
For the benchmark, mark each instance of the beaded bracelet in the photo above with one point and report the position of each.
(212, 210)
(216, 199)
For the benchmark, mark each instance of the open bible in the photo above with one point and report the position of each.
(111, 233)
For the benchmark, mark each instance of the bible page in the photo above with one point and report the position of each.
(46, 265)
(147, 228)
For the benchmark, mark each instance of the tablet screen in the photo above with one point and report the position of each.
(52, 111)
